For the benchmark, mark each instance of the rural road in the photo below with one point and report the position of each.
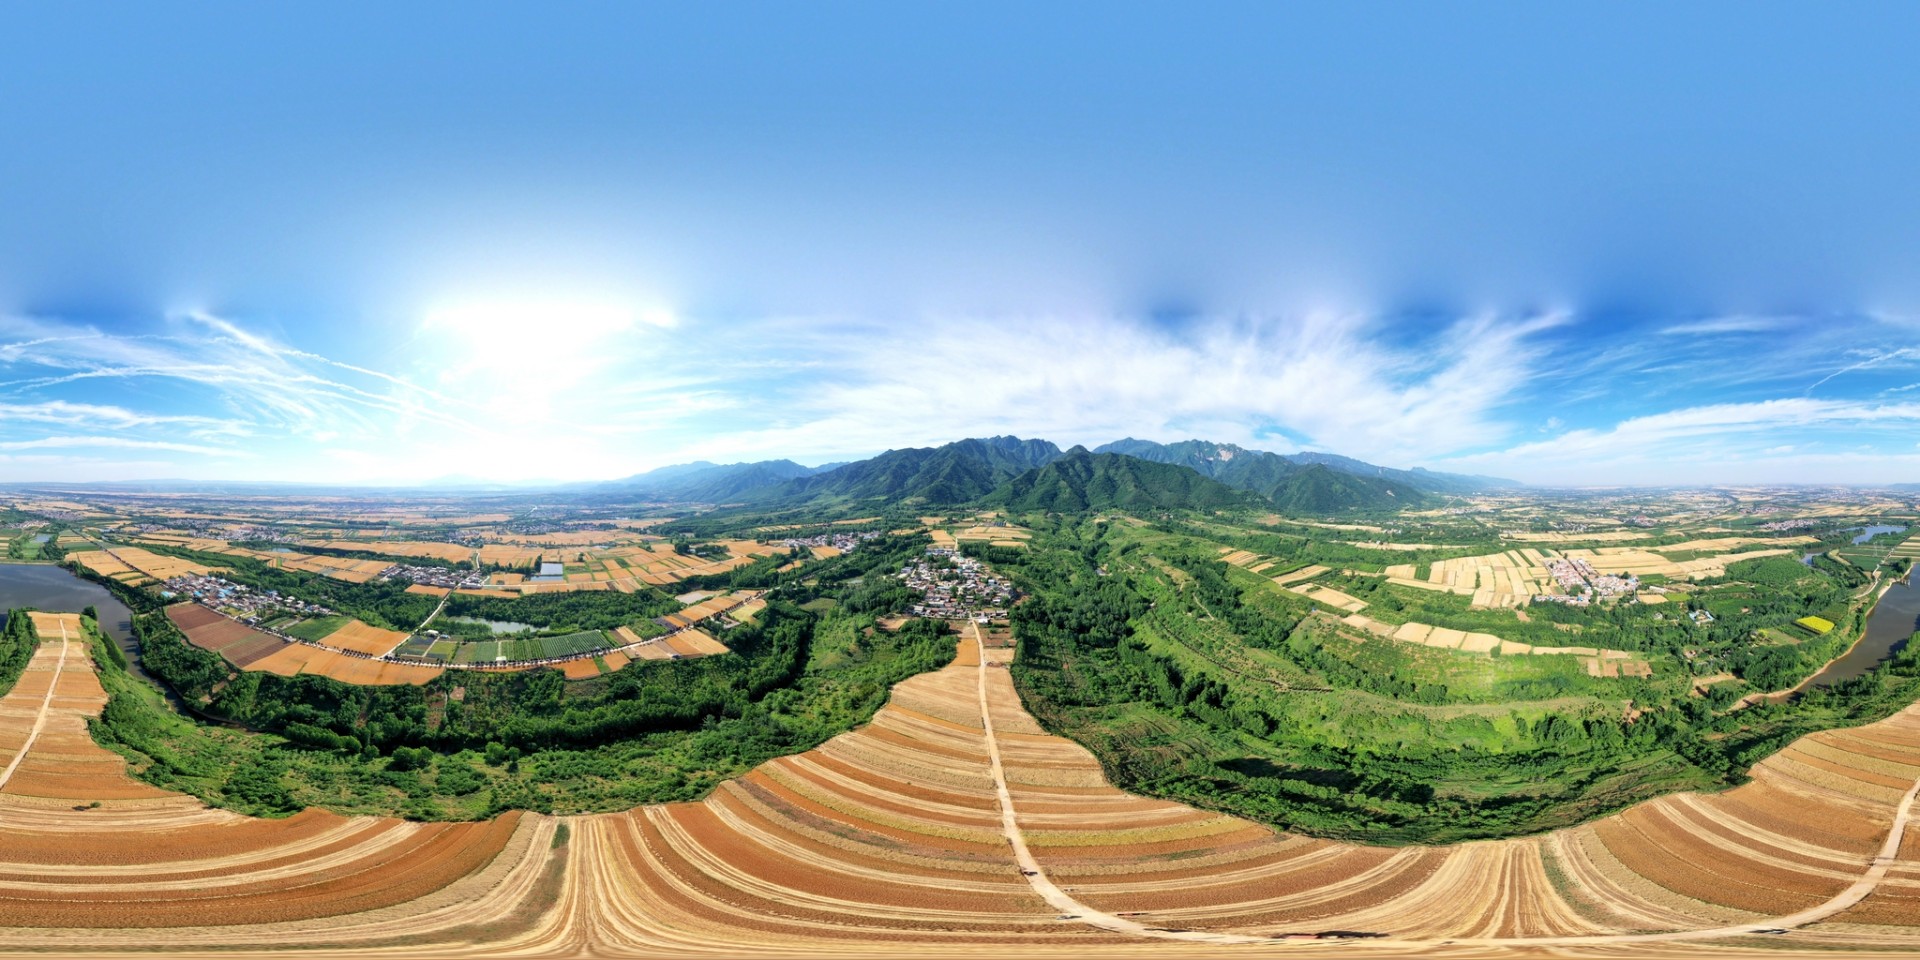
(1858, 891)
(39, 722)
(436, 611)
(1068, 906)
(1030, 866)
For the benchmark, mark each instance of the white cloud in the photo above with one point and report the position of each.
(1725, 325)
(1874, 358)
(1331, 380)
(111, 417)
(1715, 441)
(118, 443)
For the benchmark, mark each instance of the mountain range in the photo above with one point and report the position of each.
(1037, 475)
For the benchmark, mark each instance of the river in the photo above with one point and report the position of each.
(1889, 627)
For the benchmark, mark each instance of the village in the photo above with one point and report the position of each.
(955, 587)
(245, 603)
(451, 578)
(1583, 584)
(843, 542)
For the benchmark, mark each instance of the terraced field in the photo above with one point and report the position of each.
(951, 824)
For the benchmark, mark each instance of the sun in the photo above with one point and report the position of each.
(535, 336)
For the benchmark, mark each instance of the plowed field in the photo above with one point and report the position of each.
(950, 824)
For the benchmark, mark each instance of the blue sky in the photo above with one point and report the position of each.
(1584, 244)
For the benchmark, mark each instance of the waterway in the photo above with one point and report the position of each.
(52, 589)
(1889, 627)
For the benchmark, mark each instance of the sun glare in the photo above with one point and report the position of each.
(521, 319)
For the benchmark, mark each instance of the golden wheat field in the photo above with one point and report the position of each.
(950, 825)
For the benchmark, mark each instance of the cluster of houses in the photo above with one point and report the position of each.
(251, 532)
(435, 576)
(1582, 584)
(955, 587)
(843, 542)
(247, 604)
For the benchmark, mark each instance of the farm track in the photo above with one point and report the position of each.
(917, 831)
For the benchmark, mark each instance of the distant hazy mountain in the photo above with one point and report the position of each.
(956, 473)
(703, 482)
(1081, 480)
(1421, 477)
(1265, 472)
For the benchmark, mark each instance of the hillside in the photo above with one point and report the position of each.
(1260, 470)
(955, 473)
(1081, 480)
(1293, 485)
(1319, 489)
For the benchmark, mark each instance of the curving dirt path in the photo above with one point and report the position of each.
(1839, 903)
(1030, 865)
(952, 826)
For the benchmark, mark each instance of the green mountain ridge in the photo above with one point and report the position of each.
(1262, 471)
(1294, 487)
(1081, 480)
(958, 472)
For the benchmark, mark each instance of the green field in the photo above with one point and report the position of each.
(316, 629)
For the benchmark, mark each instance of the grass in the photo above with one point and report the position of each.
(317, 629)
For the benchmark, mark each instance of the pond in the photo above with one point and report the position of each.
(497, 626)
(50, 588)
(1890, 626)
(1868, 533)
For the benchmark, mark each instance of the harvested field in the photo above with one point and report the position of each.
(1507, 579)
(1620, 663)
(103, 563)
(85, 848)
(1330, 597)
(896, 834)
(1602, 537)
(702, 643)
(991, 532)
(361, 638)
(339, 568)
(652, 650)
(1296, 576)
(450, 552)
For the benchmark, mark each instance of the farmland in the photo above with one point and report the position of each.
(1389, 728)
(907, 821)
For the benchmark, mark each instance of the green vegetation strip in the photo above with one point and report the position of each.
(1196, 681)
(653, 732)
